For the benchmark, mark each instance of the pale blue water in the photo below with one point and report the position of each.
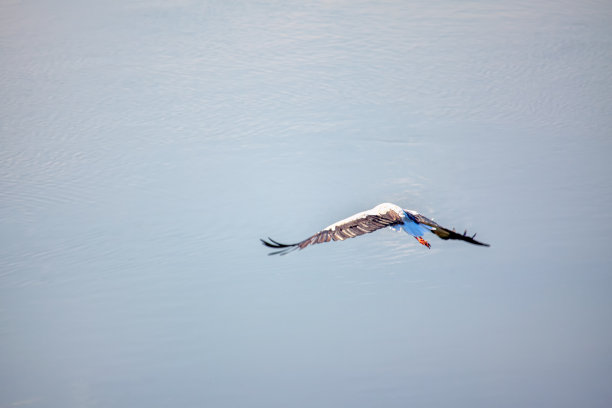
(146, 146)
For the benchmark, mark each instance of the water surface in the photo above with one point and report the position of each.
(146, 146)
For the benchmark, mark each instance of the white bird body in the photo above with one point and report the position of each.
(380, 209)
(381, 216)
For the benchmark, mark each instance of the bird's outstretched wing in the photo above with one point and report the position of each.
(358, 224)
(445, 233)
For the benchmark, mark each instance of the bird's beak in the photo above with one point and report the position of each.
(423, 242)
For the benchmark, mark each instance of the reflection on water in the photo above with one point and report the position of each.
(147, 146)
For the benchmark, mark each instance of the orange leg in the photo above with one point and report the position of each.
(423, 242)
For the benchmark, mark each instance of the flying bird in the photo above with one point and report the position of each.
(381, 216)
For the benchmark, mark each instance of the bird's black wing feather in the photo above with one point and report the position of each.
(445, 233)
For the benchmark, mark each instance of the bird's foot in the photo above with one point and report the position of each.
(423, 242)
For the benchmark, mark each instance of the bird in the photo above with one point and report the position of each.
(365, 222)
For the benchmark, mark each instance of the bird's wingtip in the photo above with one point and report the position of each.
(282, 249)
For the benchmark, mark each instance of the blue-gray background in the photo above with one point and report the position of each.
(147, 145)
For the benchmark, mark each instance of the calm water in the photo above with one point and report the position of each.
(146, 146)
